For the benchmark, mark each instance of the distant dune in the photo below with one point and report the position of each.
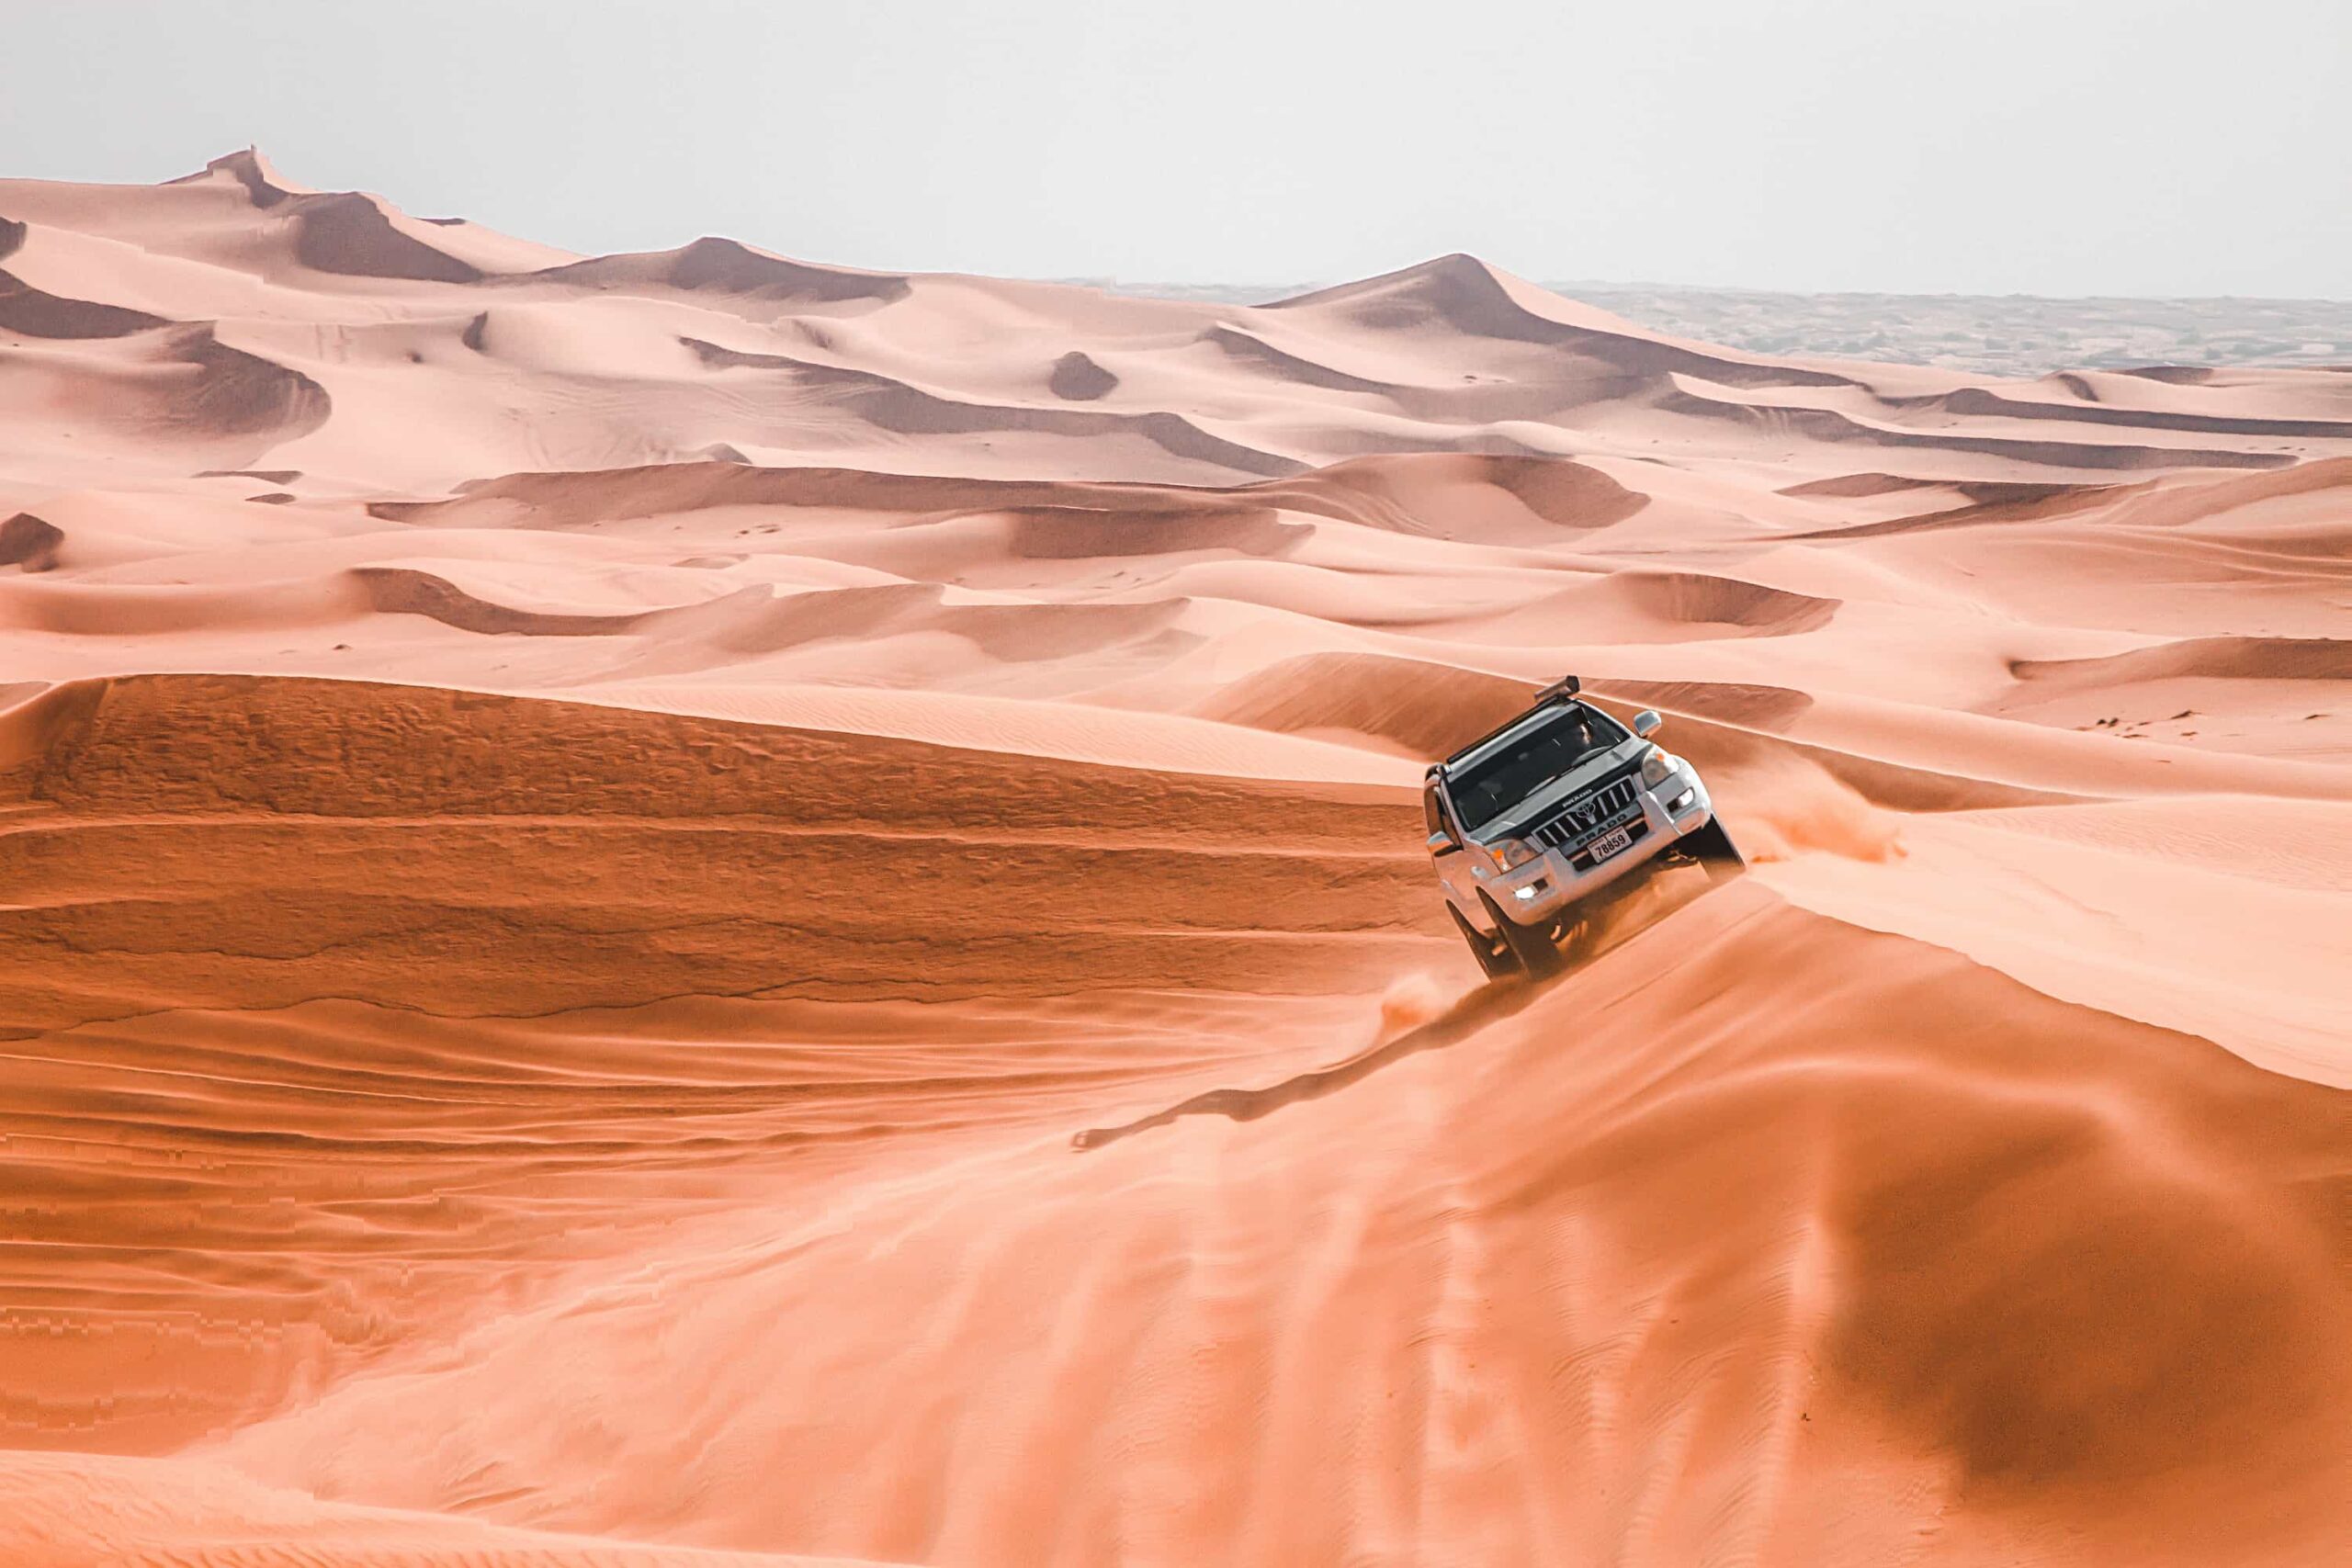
(2014, 335)
(699, 909)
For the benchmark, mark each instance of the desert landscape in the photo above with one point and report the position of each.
(692, 907)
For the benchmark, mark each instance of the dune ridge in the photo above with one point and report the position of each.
(699, 909)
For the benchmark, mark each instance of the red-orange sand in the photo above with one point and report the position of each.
(695, 908)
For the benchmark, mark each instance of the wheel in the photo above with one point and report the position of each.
(1712, 847)
(1531, 946)
(1493, 955)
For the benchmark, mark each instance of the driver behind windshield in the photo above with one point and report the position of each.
(1572, 738)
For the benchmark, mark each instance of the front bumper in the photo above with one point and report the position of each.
(1534, 894)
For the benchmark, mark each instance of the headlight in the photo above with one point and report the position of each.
(1511, 853)
(1657, 765)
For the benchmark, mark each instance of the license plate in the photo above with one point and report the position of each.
(1610, 843)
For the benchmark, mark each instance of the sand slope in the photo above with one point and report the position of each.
(697, 908)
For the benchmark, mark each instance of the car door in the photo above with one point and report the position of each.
(1451, 857)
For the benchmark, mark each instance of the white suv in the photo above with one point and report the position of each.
(1526, 824)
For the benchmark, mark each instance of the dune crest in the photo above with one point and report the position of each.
(248, 167)
(731, 267)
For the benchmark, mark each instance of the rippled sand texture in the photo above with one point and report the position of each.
(696, 909)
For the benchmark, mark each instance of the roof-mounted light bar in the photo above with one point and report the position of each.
(1566, 686)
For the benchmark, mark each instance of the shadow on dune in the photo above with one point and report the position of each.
(731, 269)
(1832, 427)
(1980, 400)
(232, 392)
(1487, 1005)
(1429, 494)
(29, 541)
(35, 313)
(2205, 658)
(1654, 900)
(904, 409)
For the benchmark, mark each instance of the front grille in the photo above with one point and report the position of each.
(1612, 804)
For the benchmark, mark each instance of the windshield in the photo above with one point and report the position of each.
(1565, 741)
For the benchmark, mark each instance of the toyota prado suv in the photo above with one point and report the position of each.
(1529, 823)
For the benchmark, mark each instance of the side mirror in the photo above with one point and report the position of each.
(1441, 843)
(1646, 723)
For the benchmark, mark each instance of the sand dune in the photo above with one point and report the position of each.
(694, 908)
(725, 267)
(1528, 1191)
(2221, 658)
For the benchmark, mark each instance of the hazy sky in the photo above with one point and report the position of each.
(2035, 146)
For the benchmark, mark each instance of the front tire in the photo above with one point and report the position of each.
(1531, 946)
(1495, 956)
(1712, 847)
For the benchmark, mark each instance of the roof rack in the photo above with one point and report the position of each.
(1559, 691)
